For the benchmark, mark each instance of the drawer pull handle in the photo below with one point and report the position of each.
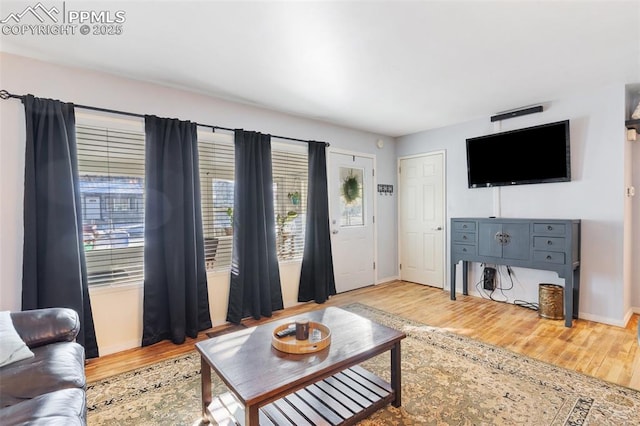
(464, 226)
(549, 228)
(549, 257)
(549, 242)
(464, 237)
(464, 250)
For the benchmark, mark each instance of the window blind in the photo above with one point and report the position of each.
(111, 170)
(217, 165)
(290, 171)
(217, 168)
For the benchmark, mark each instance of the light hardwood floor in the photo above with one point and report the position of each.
(607, 352)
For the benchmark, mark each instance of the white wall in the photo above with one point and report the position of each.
(117, 311)
(595, 195)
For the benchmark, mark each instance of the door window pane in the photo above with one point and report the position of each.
(351, 193)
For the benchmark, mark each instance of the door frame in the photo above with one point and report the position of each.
(445, 225)
(374, 198)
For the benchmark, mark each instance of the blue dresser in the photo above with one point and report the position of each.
(547, 244)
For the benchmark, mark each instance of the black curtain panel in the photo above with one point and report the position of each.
(176, 301)
(54, 272)
(255, 278)
(317, 281)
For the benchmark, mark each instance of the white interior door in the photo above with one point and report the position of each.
(351, 195)
(422, 216)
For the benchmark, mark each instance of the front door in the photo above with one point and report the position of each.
(351, 214)
(422, 216)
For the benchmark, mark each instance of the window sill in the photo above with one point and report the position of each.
(115, 288)
(225, 271)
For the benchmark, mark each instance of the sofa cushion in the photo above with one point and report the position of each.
(54, 367)
(63, 407)
(12, 347)
(40, 327)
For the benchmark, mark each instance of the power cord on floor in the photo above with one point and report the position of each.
(528, 305)
(498, 286)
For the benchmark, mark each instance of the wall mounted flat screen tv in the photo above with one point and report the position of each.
(538, 154)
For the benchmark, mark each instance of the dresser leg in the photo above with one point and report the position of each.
(576, 291)
(453, 280)
(465, 277)
(568, 299)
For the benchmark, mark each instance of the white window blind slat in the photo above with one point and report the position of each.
(217, 159)
(111, 171)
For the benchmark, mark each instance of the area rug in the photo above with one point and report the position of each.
(446, 380)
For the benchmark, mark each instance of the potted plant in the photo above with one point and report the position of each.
(282, 219)
(286, 238)
(229, 230)
(294, 197)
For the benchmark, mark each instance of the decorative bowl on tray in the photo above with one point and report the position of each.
(319, 338)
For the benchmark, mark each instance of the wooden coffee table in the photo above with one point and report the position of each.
(269, 387)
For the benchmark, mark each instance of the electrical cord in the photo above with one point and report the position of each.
(510, 274)
(484, 293)
(528, 305)
(498, 286)
(481, 290)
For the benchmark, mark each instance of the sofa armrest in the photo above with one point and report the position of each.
(39, 327)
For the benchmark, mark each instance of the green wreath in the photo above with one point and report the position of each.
(350, 189)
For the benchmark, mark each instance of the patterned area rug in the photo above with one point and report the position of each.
(446, 380)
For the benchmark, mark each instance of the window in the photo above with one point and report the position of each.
(111, 169)
(290, 169)
(217, 161)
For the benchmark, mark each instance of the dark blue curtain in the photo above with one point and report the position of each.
(176, 301)
(54, 271)
(255, 278)
(317, 281)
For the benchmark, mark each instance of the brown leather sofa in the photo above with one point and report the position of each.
(49, 388)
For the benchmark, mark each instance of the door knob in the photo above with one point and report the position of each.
(438, 228)
(335, 231)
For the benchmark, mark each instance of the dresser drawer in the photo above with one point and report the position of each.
(464, 226)
(464, 249)
(549, 257)
(549, 228)
(464, 237)
(549, 243)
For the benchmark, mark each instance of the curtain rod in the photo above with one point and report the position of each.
(6, 95)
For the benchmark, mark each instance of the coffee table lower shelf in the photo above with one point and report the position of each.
(342, 399)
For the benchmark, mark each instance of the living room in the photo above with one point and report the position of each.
(602, 161)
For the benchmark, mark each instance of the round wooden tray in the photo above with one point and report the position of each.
(291, 345)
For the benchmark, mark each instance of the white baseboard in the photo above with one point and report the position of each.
(603, 320)
(387, 279)
(632, 310)
(583, 315)
(107, 350)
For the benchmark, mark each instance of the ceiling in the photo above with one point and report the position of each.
(388, 67)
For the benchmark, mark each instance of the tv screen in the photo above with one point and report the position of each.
(538, 154)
